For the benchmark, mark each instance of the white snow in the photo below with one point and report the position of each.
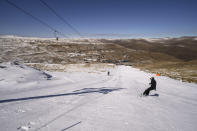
(93, 101)
(24, 128)
(152, 39)
(161, 40)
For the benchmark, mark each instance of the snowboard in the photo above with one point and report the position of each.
(156, 94)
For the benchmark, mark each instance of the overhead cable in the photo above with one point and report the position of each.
(35, 18)
(63, 19)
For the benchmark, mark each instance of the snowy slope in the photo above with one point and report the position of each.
(93, 101)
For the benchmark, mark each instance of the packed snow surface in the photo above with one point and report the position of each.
(34, 100)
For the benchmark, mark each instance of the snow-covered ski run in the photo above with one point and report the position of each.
(93, 101)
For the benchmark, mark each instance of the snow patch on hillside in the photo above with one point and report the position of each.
(161, 40)
(73, 67)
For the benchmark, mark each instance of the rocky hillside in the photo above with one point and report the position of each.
(174, 57)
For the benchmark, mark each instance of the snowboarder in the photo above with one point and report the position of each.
(152, 87)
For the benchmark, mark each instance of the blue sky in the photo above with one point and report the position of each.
(102, 18)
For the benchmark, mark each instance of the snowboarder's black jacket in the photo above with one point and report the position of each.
(153, 84)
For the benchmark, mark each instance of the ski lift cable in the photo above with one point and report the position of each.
(35, 18)
(60, 17)
(63, 19)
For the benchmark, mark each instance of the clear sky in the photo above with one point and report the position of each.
(102, 18)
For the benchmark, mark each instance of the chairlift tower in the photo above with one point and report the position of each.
(55, 35)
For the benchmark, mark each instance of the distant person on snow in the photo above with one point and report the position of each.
(153, 84)
(108, 73)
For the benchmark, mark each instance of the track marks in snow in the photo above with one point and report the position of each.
(97, 105)
(71, 126)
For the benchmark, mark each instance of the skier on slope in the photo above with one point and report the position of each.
(108, 73)
(153, 84)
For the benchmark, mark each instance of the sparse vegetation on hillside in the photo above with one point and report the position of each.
(175, 58)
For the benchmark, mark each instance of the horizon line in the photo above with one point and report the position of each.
(99, 36)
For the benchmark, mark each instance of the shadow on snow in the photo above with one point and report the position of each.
(103, 90)
(71, 126)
